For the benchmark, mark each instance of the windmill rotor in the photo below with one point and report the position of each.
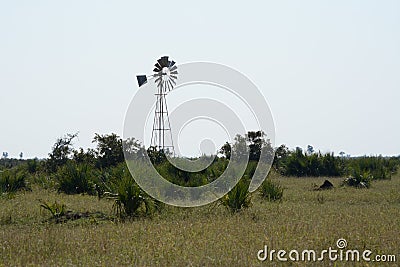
(165, 74)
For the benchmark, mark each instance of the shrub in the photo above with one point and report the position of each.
(271, 191)
(32, 165)
(130, 200)
(238, 198)
(12, 181)
(43, 180)
(378, 167)
(76, 179)
(358, 180)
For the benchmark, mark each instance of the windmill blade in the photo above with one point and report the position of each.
(158, 80)
(141, 79)
(173, 68)
(172, 80)
(158, 66)
(163, 61)
(174, 72)
(157, 74)
(156, 70)
(172, 76)
(170, 83)
(160, 62)
(171, 63)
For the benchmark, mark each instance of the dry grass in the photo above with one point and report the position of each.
(206, 236)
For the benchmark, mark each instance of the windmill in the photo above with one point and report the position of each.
(165, 75)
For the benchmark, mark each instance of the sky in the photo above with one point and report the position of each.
(328, 69)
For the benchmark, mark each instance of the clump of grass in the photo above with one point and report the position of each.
(271, 191)
(11, 181)
(238, 198)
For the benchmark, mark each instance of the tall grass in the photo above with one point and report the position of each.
(367, 219)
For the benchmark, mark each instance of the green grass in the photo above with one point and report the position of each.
(205, 236)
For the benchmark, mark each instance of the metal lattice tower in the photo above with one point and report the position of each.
(165, 74)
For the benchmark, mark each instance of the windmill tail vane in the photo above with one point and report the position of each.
(165, 74)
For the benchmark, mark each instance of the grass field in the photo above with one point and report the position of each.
(206, 236)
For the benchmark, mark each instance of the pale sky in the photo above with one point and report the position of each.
(330, 70)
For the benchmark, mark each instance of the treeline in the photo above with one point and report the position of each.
(102, 171)
(309, 163)
(109, 152)
(7, 163)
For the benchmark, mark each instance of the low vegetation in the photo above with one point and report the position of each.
(359, 179)
(12, 180)
(271, 190)
(55, 209)
(238, 198)
(110, 220)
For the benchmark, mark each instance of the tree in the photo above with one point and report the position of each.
(133, 149)
(156, 157)
(256, 142)
(258, 146)
(61, 152)
(109, 150)
(5, 155)
(226, 150)
(280, 158)
(239, 148)
(310, 149)
(82, 156)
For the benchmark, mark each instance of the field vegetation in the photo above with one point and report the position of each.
(82, 207)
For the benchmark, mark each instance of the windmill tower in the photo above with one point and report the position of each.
(165, 75)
